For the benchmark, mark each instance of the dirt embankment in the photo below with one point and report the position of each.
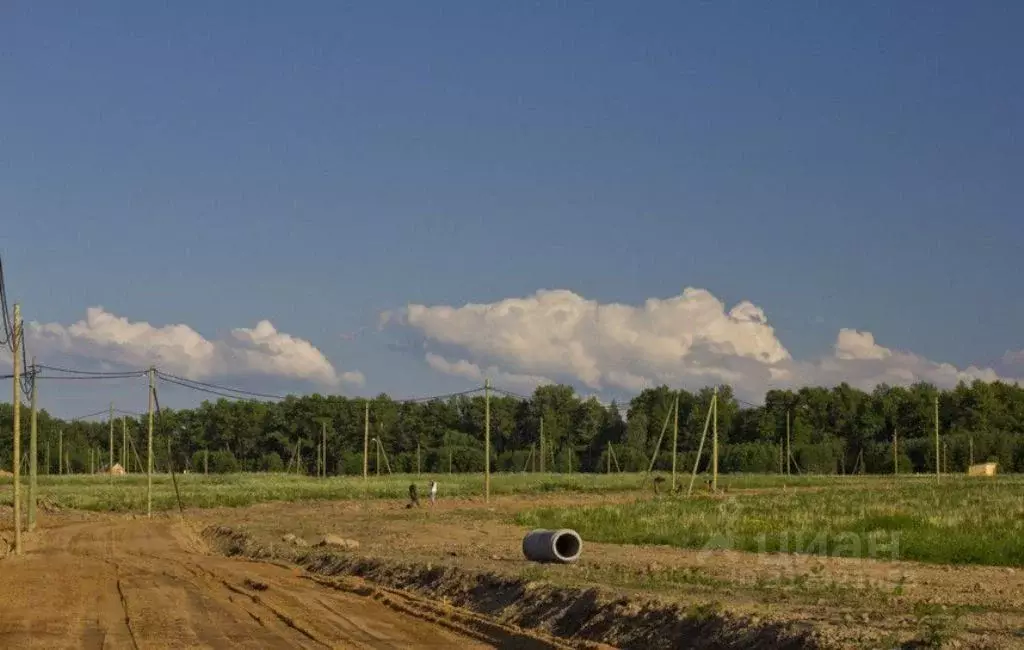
(577, 615)
(111, 582)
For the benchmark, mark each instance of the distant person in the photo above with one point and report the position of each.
(433, 492)
(414, 499)
(658, 480)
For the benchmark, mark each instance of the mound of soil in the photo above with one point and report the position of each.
(569, 613)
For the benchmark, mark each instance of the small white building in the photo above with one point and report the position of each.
(982, 469)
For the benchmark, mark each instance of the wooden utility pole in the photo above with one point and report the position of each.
(895, 452)
(377, 464)
(60, 452)
(542, 443)
(700, 449)
(714, 445)
(938, 459)
(366, 442)
(608, 463)
(487, 440)
(16, 335)
(124, 445)
(675, 444)
(789, 448)
(970, 442)
(33, 456)
(149, 446)
(321, 459)
(48, 470)
(111, 465)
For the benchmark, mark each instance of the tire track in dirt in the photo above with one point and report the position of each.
(127, 617)
(138, 584)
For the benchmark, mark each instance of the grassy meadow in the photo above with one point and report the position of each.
(128, 493)
(960, 520)
(104, 493)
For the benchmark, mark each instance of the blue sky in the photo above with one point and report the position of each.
(853, 165)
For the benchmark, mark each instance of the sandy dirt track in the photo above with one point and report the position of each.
(116, 583)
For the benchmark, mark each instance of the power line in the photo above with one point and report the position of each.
(92, 373)
(212, 391)
(89, 415)
(431, 398)
(196, 383)
(66, 378)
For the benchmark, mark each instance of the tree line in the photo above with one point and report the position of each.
(830, 430)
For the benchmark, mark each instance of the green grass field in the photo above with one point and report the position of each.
(128, 493)
(960, 520)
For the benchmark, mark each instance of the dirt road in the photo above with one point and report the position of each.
(116, 583)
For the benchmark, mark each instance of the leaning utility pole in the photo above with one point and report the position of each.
(124, 445)
(33, 456)
(366, 441)
(149, 460)
(110, 466)
(714, 445)
(675, 444)
(487, 440)
(16, 348)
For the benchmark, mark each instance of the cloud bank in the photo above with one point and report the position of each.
(179, 349)
(690, 340)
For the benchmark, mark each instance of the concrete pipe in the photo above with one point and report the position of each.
(562, 546)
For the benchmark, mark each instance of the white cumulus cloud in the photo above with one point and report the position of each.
(463, 368)
(689, 340)
(179, 349)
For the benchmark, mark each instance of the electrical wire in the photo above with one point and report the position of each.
(92, 373)
(211, 391)
(90, 415)
(5, 314)
(66, 378)
(13, 335)
(203, 384)
(431, 398)
(509, 393)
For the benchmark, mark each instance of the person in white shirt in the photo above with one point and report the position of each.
(433, 492)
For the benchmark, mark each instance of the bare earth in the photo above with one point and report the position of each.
(115, 582)
(852, 602)
(112, 581)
